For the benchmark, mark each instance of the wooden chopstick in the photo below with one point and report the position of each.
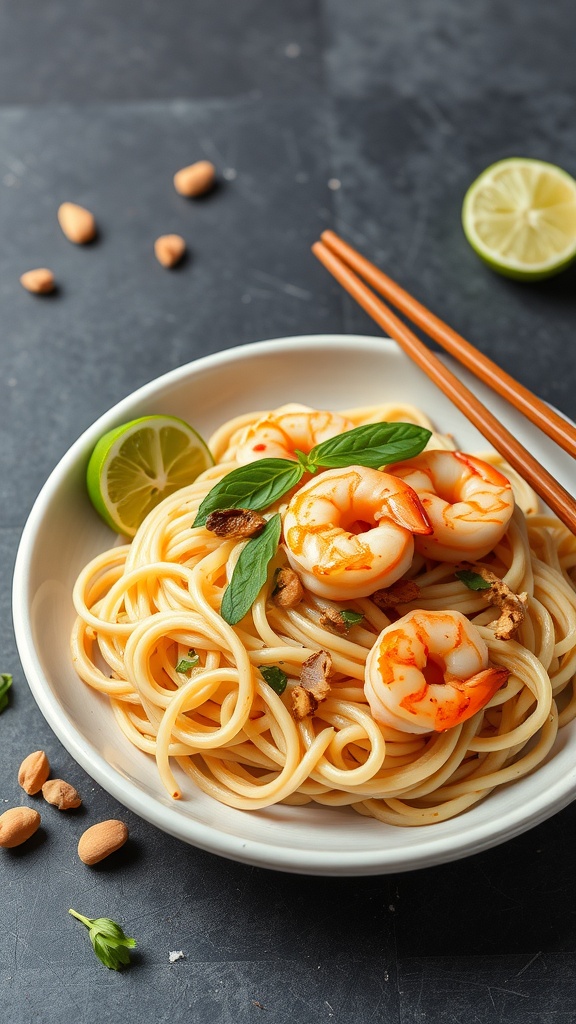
(555, 496)
(549, 421)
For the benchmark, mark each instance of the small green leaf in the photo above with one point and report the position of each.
(112, 954)
(250, 572)
(472, 580)
(303, 459)
(108, 940)
(186, 664)
(109, 929)
(275, 677)
(254, 486)
(372, 445)
(5, 684)
(350, 617)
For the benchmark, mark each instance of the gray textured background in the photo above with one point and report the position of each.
(403, 102)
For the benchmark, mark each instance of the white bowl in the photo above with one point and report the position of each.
(63, 533)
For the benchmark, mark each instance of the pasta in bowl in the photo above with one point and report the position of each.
(262, 777)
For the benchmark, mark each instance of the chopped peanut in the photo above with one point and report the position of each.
(61, 794)
(401, 592)
(512, 606)
(314, 686)
(332, 620)
(288, 591)
(235, 522)
(169, 250)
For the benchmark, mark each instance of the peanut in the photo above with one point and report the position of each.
(100, 840)
(17, 825)
(33, 772)
(78, 224)
(169, 249)
(196, 179)
(61, 794)
(41, 281)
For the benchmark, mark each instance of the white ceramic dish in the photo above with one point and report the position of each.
(63, 532)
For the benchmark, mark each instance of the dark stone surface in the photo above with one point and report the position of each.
(402, 104)
(119, 319)
(118, 50)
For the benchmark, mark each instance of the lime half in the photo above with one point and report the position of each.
(520, 217)
(135, 466)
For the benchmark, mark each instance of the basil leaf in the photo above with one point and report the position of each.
(472, 580)
(372, 445)
(254, 486)
(350, 617)
(250, 572)
(5, 684)
(275, 677)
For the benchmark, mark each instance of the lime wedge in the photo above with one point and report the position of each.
(135, 466)
(520, 217)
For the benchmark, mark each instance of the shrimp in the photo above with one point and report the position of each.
(468, 502)
(428, 672)
(278, 434)
(349, 531)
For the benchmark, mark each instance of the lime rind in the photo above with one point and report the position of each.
(135, 466)
(522, 205)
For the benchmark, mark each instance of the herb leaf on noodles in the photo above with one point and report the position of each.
(255, 486)
(250, 572)
(275, 677)
(472, 580)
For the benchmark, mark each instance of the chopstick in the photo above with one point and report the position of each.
(549, 421)
(552, 492)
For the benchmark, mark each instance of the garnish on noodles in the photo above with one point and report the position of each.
(332, 639)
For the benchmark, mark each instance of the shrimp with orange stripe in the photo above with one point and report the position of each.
(429, 671)
(284, 431)
(469, 503)
(349, 532)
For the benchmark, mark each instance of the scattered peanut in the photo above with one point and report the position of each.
(61, 794)
(196, 179)
(40, 281)
(169, 249)
(78, 224)
(33, 772)
(17, 825)
(100, 840)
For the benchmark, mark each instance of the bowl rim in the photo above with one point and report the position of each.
(436, 849)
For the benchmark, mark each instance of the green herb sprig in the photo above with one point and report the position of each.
(350, 617)
(259, 484)
(275, 677)
(472, 580)
(5, 684)
(110, 943)
(188, 663)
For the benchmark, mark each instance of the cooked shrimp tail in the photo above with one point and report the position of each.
(405, 509)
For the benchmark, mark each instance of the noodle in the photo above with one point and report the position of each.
(144, 607)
